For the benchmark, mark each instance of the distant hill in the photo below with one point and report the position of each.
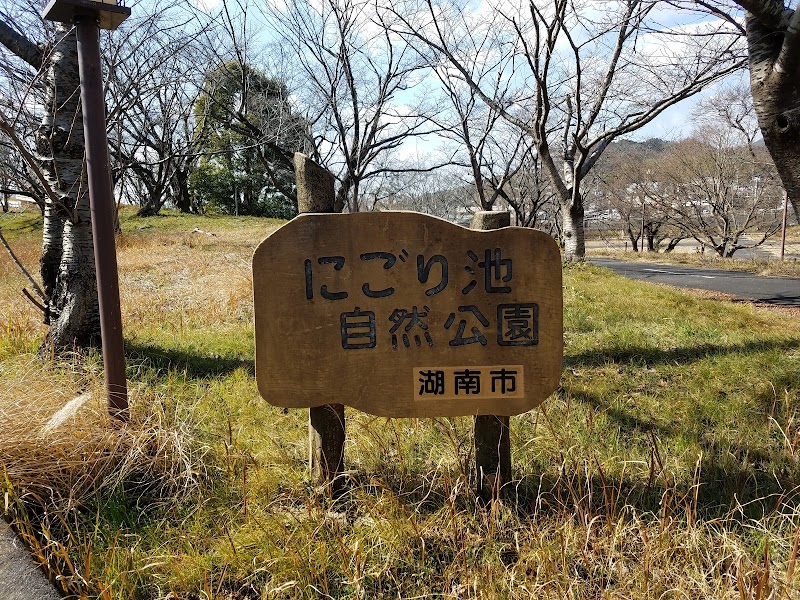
(656, 145)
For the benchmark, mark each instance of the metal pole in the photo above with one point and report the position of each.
(783, 228)
(101, 201)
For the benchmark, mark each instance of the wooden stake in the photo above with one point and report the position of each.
(326, 424)
(492, 438)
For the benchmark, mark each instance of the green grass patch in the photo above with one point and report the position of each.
(23, 224)
(174, 221)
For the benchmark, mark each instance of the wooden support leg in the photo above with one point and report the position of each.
(326, 435)
(492, 439)
(326, 426)
(492, 455)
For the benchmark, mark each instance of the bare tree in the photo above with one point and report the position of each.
(531, 197)
(718, 186)
(40, 118)
(441, 193)
(490, 151)
(358, 83)
(153, 83)
(628, 181)
(773, 44)
(576, 77)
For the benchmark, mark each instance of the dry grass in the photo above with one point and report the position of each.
(56, 471)
(666, 466)
(20, 321)
(65, 462)
(790, 267)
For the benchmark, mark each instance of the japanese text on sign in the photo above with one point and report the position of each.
(511, 324)
(490, 382)
(403, 314)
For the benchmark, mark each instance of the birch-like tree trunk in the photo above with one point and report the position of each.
(72, 307)
(773, 39)
(67, 261)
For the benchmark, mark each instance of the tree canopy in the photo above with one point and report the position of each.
(245, 128)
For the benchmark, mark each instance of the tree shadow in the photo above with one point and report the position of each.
(656, 356)
(781, 300)
(195, 364)
(730, 473)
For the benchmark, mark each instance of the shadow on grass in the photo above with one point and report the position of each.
(759, 478)
(654, 356)
(737, 483)
(196, 365)
(731, 473)
(738, 486)
(735, 479)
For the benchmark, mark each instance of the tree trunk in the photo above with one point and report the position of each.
(650, 235)
(153, 203)
(342, 194)
(180, 187)
(67, 263)
(572, 211)
(75, 298)
(154, 197)
(147, 210)
(672, 244)
(633, 238)
(574, 239)
(776, 98)
(52, 238)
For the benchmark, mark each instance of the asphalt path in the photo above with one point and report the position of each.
(783, 291)
(20, 579)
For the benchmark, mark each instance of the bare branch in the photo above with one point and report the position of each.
(30, 161)
(787, 64)
(33, 300)
(20, 45)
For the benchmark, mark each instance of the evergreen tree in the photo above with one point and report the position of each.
(247, 131)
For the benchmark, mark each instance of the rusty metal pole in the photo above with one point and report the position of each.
(101, 201)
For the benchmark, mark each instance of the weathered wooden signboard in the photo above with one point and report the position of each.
(405, 315)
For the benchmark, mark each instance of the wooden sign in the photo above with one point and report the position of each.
(405, 315)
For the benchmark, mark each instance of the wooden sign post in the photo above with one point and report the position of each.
(326, 424)
(405, 315)
(492, 432)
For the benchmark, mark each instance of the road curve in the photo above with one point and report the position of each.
(781, 291)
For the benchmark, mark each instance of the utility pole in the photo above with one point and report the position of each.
(783, 227)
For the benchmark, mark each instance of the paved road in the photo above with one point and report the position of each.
(19, 578)
(783, 291)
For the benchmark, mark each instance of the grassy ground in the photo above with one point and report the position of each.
(667, 464)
